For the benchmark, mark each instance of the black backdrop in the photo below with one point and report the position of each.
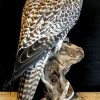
(84, 76)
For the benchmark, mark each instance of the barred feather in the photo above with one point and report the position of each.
(42, 27)
(30, 79)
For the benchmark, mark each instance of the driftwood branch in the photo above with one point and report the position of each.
(57, 87)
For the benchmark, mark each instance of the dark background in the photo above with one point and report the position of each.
(84, 76)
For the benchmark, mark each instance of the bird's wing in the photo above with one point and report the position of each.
(41, 27)
(55, 17)
(37, 17)
(36, 36)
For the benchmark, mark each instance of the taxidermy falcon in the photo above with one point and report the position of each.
(44, 26)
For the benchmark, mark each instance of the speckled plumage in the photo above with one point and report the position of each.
(44, 24)
(45, 18)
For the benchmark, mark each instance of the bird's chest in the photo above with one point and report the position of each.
(57, 17)
(58, 22)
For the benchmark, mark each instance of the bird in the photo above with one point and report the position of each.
(44, 26)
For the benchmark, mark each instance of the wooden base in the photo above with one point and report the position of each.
(81, 96)
(88, 96)
(8, 96)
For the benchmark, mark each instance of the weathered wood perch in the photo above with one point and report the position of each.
(57, 87)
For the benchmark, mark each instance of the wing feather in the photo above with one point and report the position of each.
(37, 17)
(42, 26)
(50, 18)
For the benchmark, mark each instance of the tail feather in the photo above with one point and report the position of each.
(28, 83)
(30, 80)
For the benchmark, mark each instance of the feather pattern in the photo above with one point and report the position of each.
(43, 25)
(30, 79)
(42, 22)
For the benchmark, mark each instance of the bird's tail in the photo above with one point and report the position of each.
(29, 82)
